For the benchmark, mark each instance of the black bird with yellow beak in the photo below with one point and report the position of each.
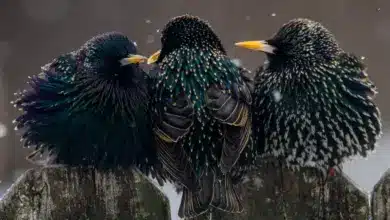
(90, 108)
(209, 122)
(313, 102)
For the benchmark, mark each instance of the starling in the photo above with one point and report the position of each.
(313, 102)
(90, 107)
(206, 122)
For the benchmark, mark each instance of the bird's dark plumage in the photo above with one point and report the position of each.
(87, 108)
(313, 102)
(206, 137)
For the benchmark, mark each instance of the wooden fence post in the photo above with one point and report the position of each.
(81, 194)
(380, 198)
(275, 193)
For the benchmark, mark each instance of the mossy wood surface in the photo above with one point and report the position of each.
(86, 194)
(380, 198)
(276, 193)
(83, 194)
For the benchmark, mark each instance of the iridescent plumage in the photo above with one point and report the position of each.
(313, 102)
(205, 142)
(88, 109)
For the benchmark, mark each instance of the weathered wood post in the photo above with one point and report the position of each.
(271, 193)
(81, 194)
(275, 193)
(380, 198)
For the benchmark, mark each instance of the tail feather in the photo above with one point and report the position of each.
(191, 205)
(197, 203)
(225, 197)
(206, 191)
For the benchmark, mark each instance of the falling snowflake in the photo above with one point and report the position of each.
(135, 43)
(258, 182)
(247, 17)
(147, 21)
(362, 57)
(3, 130)
(158, 30)
(273, 14)
(277, 95)
(237, 62)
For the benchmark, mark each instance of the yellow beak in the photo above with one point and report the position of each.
(258, 45)
(154, 57)
(133, 59)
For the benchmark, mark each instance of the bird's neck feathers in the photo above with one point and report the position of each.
(208, 65)
(296, 77)
(191, 72)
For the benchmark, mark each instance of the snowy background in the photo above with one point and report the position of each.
(33, 32)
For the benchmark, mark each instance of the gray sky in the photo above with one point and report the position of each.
(367, 171)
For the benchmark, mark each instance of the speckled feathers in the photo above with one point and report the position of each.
(194, 66)
(87, 109)
(324, 112)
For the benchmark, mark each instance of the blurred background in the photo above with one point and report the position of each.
(32, 33)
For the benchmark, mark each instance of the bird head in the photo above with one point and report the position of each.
(299, 39)
(112, 54)
(186, 31)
